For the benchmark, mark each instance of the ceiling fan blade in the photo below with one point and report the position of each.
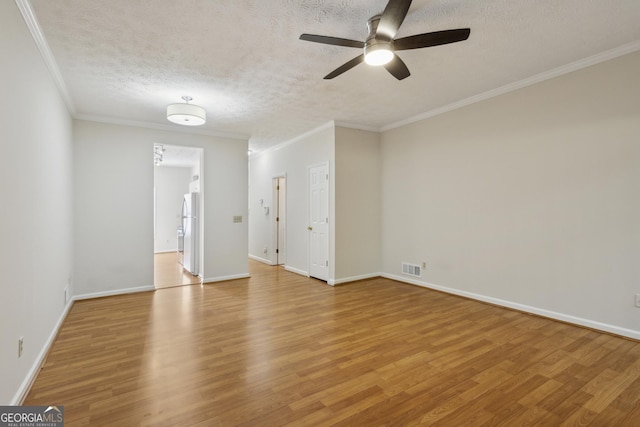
(398, 68)
(392, 17)
(436, 38)
(335, 41)
(345, 67)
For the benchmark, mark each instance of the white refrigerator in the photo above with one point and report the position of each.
(191, 258)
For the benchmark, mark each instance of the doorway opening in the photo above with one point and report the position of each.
(280, 219)
(177, 211)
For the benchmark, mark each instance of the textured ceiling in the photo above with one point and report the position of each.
(242, 60)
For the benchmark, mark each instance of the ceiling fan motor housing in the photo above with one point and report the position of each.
(378, 49)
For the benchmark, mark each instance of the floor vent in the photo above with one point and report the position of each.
(411, 270)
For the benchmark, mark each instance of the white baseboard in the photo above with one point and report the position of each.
(262, 260)
(115, 292)
(21, 394)
(225, 278)
(592, 324)
(334, 282)
(297, 271)
(166, 252)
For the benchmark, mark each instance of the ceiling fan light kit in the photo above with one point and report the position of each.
(381, 45)
(186, 114)
(378, 52)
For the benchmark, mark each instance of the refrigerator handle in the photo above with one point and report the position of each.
(183, 213)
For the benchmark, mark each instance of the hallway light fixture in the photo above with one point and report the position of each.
(186, 114)
(158, 154)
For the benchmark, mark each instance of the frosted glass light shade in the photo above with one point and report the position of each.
(378, 54)
(186, 114)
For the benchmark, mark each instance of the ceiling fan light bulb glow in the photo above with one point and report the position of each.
(379, 54)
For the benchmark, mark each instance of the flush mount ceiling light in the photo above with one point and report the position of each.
(186, 114)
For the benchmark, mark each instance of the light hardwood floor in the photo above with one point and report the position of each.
(280, 349)
(168, 272)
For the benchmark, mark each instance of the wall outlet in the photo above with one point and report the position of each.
(424, 265)
(637, 300)
(20, 346)
(66, 294)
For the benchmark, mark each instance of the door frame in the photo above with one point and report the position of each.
(329, 218)
(201, 198)
(275, 201)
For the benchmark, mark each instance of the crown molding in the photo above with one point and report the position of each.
(41, 42)
(325, 126)
(357, 126)
(556, 72)
(31, 21)
(157, 126)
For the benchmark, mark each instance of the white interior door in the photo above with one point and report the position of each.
(319, 222)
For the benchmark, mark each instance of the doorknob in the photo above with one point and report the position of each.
(309, 228)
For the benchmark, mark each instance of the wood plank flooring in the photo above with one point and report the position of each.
(168, 272)
(280, 349)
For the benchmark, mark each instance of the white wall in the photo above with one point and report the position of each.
(36, 247)
(358, 204)
(171, 184)
(293, 160)
(114, 205)
(530, 199)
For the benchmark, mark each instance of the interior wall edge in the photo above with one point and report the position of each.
(296, 270)
(347, 280)
(225, 278)
(262, 260)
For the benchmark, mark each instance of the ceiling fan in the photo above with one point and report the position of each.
(380, 46)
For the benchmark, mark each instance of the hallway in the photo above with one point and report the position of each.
(168, 272)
